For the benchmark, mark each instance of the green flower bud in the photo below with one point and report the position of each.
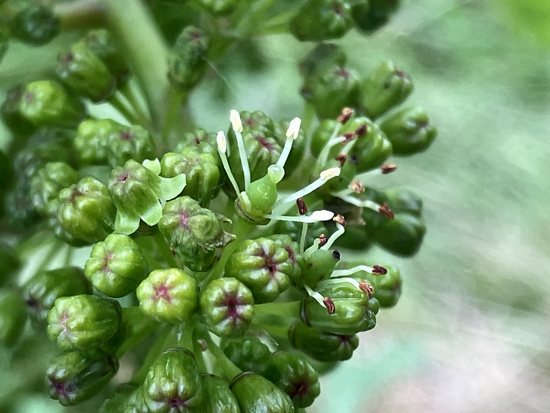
(264, 265)
(11, 115)
(36, 25)
(322, 20)
(12, 316)
(202, 141)
(105, 46)
(41, 291)
(55, 225)
(256, 394)
(136, 402)
(194, 233)
(371, 147)
(248, 354)
(387, 287)
(322, 346)
(77, 376)
(48, 183)
(83, 321)
(322, 58)
(227, 307)
(84, 73)
(136, 192)
(10, 263)
(383, 89)
(353, 310)
(168, 295)
(295, 376)
(317, 267)
(217, 396)
(331, 91)
(200, 169)
(116, 403)
(401, 235)
(372, 15)
(173, 383)
(87, 211)
(409, 130)
(116, 266)
(19, 208)
(46, 103)
(187, 60)
(403, 200)
(92, 140)
(129, 142)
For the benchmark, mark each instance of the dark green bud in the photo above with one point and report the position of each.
(217, 396)
(352, 310)
(322, 58)
(248, 354)
(195, 233)
(403, 200)
(36, 25)
(129, 142)
(84, 73)
(77, 376)
(264, 265)
(136, 192)
(409, 130)
(372, 15)
(105, 46)
(383, 89)
(11, 115)
(55, 225)
(202, 141)
(41, 291)
(48, 183)
(316, 267)
(401, 235)
(322, 346)
(173, 383)
(12, 316)
(168, 295)
(116, 266)
(257, 394)
(87, 211)
(322, 20)
(331, 91)
(187, 60)
(295, 376)
(371, 147)
(92, 140)
(46, 103)
(227, 307)
(200, 169)
(83, 322)
(10, 263)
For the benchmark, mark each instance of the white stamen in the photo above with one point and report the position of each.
(350, 271)
(322, 215)
(316, 296)
(222, 142)
(334, 139)
(357, 202)
(330, 281)
(303, 238)
(222, 148)
(316, 216)
(235, 120)
(334, 236)
(294, 128)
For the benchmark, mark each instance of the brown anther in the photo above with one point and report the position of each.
(340, 219)
(329, 304)
(345, 115)
(366, 288)
(349, 136)
(386, 211)
(302, 208)
(357, 187)
(379, 270)
(388, 168)
(361, 130)
(342, 159)
(322, 240)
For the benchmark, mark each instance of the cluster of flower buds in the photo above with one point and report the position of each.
(211, 274)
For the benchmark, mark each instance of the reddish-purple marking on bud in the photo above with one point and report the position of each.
(162, 292)
(342, 72)
(61, 389)
(262, 141)
(108, 257)
(126, 136)
(291, 254)
(29, 97)
(177, 402)
(183, 218)
(66, 59)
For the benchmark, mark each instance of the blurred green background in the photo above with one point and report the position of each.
(471, 332)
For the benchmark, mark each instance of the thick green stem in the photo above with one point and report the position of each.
(199, 333)
(139, 326)
(154, 352)
(227, 365)
(145, 49)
